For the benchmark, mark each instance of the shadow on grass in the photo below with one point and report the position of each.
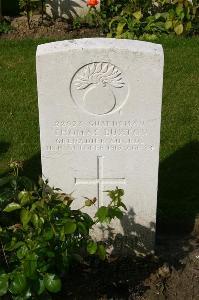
(32, 167)
(178, 195)
(4, 147)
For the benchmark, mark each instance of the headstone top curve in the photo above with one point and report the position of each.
(97, 43)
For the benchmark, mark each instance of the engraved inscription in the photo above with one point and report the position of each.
(99, 88)
(111, 136)
(100, 180)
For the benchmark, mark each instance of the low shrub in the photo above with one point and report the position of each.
(41, 236)
(29, 6)
(5, 26)
(138, 18)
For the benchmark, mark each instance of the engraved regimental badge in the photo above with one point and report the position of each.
(99, 88)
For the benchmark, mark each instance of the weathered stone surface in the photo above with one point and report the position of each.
(100, 113)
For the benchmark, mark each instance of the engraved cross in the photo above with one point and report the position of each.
(100, 181)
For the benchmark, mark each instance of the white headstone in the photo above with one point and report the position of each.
(67, 9)
(100, 112)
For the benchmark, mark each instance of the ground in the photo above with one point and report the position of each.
(58, 29)
(173, 273)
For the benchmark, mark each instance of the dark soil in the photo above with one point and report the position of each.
(172, 274)
(57, 29)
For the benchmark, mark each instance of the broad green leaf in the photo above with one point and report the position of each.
(48, 234)
(120, 27)
(5, 180)
(178, 29)
(158, 15)
(82, 228)
(24, 296)
(41, 288)
(22, 252)
(87, 220)
(92, 247)
(69, 227)
(101, 252)
(115, 212)
(168, 24)
(25, 216)
(11, 207)
(30, 265)
(35, 220)
(102, 214)
(179, 10)
(188, 26)
(62, 234)
(24, 197)
(52, 283)
(18, 283)
(13, 245)
(138, 14)
(3, 284)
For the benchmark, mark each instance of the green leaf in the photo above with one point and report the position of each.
(30, 265)
(3, 284)
(82, 228)
(22, 252)
(18, 283)
(188, 26)
(168, 24)
(24, 296)
(138, 15)
(25, 216)
(48, 234)
(92, 247)
(101, 252)
(157, 16)
(52, 283)
(120, 27)
(24, 197)
(41, 287)
(178, 29)
(102, 214)
(11, 207)
(35, 220)
(13, 245)
(115, 212)
(69, 227)
(179, 10)
(5, 180)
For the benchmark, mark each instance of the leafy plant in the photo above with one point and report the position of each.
(5, 26)
(27, 6)
(92, 19)
(41, 236)
(137, 18)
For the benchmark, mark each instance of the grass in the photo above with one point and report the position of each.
(179, 153)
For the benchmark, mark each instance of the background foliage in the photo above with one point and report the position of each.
(149, 19)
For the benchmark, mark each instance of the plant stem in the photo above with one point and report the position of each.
(2, 247)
